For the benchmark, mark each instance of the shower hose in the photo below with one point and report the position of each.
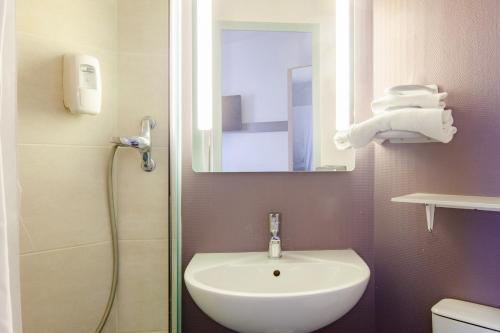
(114, 242)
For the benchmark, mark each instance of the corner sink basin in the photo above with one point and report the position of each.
(301, 292)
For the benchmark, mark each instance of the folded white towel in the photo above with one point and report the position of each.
(390, 135)
(422, 100)
(432, 123)
(412, 89)
(382, 137)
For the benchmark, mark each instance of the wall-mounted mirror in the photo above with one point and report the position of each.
(272, 83)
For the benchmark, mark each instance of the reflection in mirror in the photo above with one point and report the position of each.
(272, 85)
(258, 126)
(300, 118)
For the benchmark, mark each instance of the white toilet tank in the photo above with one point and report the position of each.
(454, 316)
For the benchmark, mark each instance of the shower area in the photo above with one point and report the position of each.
(62, 239)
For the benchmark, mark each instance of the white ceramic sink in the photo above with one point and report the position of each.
(301, 292)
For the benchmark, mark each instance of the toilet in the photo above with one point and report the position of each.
(454, 316)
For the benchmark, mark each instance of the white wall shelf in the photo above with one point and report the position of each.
(431, 201)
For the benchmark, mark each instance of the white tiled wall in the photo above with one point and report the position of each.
(66, 252)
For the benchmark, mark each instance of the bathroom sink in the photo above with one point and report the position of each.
(300, 292)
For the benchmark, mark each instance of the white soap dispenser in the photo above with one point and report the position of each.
(82, 84)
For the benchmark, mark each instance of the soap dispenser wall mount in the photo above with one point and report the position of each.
(82, 84)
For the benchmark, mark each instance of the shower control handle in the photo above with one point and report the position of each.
(142, 143)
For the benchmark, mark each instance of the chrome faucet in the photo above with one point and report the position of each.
(275, 242)
(141, 143)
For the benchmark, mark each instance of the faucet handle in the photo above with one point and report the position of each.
(274, 223)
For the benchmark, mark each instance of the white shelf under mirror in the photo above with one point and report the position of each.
(431, 201)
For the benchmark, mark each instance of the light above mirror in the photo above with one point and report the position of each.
(343, 64)
(204, 64)
(272, 83)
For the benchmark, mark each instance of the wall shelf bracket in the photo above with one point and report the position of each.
(431, 201)
(429, 212)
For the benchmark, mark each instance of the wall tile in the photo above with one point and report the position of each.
(63, 162)
(143, 197)
(66, 290)
(42, 116)
(143, 26)
(64, 199)
(25, 243)
(143, 91)
(143, 289)
(90, 22)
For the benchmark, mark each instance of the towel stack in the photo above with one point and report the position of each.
(411, 96)
(405, 112)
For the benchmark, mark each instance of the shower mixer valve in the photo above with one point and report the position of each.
(142, 143)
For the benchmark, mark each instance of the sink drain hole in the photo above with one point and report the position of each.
(276, 273)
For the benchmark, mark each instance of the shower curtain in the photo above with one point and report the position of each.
(10, 314)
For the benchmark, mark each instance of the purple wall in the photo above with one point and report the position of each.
(227, 212)
(455, 43)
